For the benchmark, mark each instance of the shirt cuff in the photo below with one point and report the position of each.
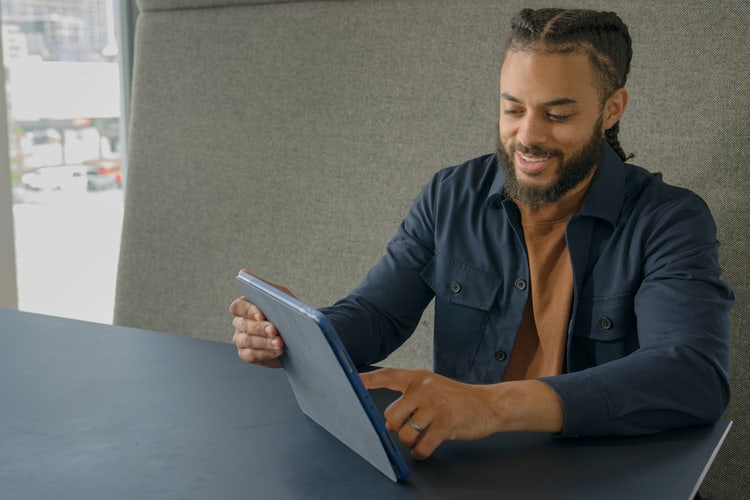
(584, 404)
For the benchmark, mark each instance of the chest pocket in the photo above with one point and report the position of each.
(605, 329)
(464, 298)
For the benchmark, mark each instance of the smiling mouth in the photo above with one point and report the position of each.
(534, 159)
(531, 165)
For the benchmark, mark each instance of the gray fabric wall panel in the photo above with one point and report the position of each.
(153, 5)
(292, 137)
(304, 131)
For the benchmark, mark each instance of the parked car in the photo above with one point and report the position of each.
(60, 178)
(104, 175)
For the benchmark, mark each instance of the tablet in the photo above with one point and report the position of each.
(323, 378)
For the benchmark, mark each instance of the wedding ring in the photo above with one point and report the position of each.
(421, 430)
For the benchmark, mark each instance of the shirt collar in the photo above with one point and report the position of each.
(604, 198)
(606, 195)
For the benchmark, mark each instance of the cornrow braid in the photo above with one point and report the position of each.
(611, 136)
(603, 36)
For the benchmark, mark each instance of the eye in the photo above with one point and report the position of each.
(512, 112)
(558, 118)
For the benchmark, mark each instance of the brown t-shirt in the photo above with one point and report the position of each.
(540, 346)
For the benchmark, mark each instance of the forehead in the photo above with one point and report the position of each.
(534, 78)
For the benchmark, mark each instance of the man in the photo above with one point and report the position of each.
(574, 294)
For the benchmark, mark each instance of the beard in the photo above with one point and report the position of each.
(570, 172)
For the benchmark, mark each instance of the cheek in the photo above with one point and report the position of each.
(572, 145)
(573, 137)
(506, 131)
(569, 138)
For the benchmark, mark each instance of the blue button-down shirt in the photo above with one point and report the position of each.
(649, 336)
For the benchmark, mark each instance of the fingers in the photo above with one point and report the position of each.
(258, 350)
(416, 427)
(394, 379)
(413, 414)
(254, 324)
(421, 431)
(259, 335)
(242, 308)
(413, 422)
(256, 339)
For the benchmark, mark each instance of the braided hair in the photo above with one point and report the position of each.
(600, 35)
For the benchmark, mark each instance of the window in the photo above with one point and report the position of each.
(65, 140)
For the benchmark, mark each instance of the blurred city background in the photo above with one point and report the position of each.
(62, 80)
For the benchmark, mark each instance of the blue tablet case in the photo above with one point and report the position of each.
(323, 378)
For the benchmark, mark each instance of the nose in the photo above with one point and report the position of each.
(532, 131)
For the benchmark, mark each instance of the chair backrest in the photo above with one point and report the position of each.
(291, 137)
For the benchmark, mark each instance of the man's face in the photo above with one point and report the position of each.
(551, 125)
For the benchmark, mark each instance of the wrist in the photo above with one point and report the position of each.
(525, 406)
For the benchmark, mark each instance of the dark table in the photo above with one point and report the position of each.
(100, 411)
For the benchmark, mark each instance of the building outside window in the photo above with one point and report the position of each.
(62, 82)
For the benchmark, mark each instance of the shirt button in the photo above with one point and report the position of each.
(500, 355)
(606, 323)
(521, 284)
(455, 286)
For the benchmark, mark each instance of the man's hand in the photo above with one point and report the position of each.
(257, 340)
(434, 408)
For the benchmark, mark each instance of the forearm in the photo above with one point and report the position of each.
(524, 406)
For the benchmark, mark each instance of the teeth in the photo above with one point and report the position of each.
(533, 159)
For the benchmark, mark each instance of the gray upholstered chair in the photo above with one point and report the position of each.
(291, 137)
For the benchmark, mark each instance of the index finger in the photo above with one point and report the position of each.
(395, 379)
(243, 308)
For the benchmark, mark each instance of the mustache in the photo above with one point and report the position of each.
(535, 150)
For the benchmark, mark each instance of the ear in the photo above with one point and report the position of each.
(614, 108)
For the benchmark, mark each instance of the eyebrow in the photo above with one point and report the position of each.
(561, 101)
